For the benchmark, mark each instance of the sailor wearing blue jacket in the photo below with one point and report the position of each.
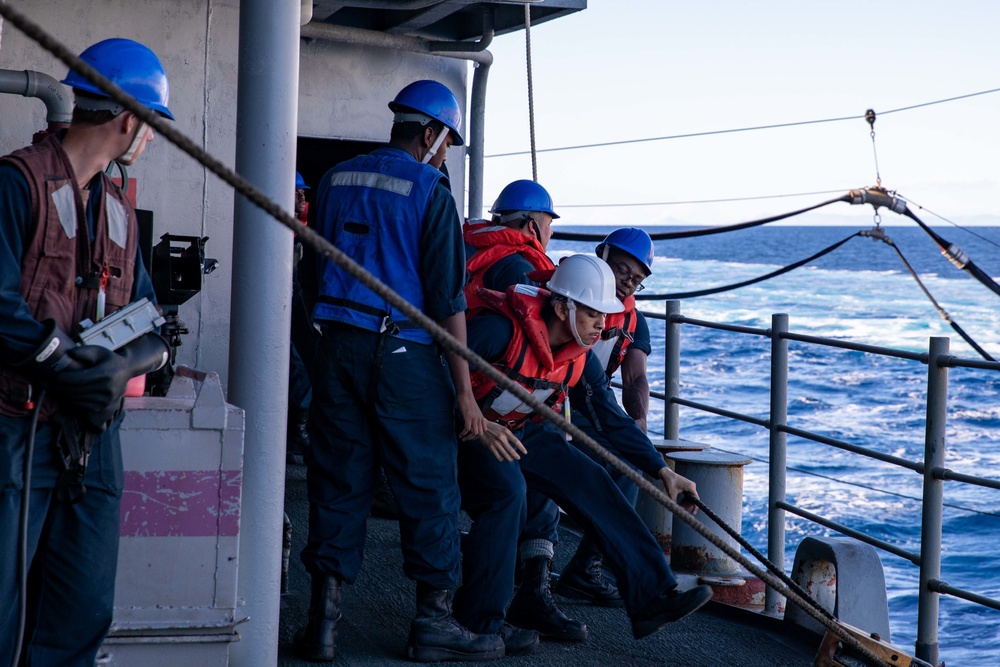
(382, 395)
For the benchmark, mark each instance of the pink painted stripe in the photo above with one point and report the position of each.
(181, 503)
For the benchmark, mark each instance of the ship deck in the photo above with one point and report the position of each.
(378, 608)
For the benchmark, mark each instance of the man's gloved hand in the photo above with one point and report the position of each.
(94, 384)
(49, 358)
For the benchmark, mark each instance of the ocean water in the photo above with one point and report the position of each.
(863, 293)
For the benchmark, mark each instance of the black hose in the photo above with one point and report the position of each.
(969, 266)
(726, 288)
(22, 535)
(689, 233)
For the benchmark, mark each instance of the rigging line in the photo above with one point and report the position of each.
(704, 201)
(941, 217)
(862, 486)
(688, 135)
(941, 311)
(531, 92)
(949, 99)
(688, 233)
(726, 288)
(742, 129)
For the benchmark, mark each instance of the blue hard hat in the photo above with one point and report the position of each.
(633, 241)
(132, 66)
(524, 195)
(300, 183)
(431, 99)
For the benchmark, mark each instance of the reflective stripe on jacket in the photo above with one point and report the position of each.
(372, 207)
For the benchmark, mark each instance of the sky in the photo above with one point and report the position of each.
(635, 69)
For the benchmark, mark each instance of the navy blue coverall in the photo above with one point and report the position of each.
(380, 399)
(73, 548)
(558, 470)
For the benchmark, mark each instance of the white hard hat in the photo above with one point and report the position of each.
(588, 281)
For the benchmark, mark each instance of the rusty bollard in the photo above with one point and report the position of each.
(657, 518)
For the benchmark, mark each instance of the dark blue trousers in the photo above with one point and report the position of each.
(560, 471)
(493, 495)
(391, 407)
(72, 549)
(542, 518)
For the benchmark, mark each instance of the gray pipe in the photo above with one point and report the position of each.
(42, 86)
(477, 134)
(467, 47)
(403, 5)
(477, 114)
(266, 128)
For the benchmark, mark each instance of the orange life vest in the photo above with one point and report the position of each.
(618, 334)
(493, 243)
(528, 359)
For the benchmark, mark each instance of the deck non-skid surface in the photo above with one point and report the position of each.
(378, 608)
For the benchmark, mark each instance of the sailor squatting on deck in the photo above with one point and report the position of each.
(625, 337)
(510, 250)
(68, 252)
(543, 340)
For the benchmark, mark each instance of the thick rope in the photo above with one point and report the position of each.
(531, 92)
(733, 533)
(438, 333)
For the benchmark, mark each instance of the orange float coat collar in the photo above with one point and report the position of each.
(493, 243)
(528, 360)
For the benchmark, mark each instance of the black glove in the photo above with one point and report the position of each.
(50, 357)
(94, 385)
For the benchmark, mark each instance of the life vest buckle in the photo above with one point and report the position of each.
(388, 326)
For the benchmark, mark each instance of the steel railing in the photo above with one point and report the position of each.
(932, 467)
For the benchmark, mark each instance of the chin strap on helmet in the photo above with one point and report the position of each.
(129, 155)
(572, 323)
(435, 146)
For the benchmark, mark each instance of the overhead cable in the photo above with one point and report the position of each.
(941, 217)
(743, 129)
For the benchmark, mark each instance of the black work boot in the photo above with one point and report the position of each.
(534, 607)
(436, 636)
(316, 641)
(667, 607)
(518, 641)
(583, 579)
